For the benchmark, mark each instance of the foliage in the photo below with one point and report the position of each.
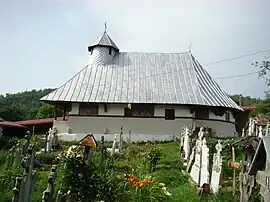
(264, 108)
(7, 181)
(82, 180)
(47, 158)
(152, 157)
(264, 67)
(23, 105)
(7, 143)
(45, 111)
(246, 100)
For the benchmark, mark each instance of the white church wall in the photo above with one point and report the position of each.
(141, 126)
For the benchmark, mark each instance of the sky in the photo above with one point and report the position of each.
(44, 43)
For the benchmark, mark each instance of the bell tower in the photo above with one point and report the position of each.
(102, 49)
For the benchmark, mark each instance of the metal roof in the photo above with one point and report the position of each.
(160, 78)
(104, 40)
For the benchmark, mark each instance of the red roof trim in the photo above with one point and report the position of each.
(37, 121)
(248, 108)
(11, 124)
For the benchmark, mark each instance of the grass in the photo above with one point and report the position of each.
(168, 171)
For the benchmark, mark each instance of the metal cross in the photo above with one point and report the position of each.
(189, 47)
(105, 26)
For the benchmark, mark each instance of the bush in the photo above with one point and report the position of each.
(7, 143)
(47, 158)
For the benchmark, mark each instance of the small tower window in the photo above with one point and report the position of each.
(91, 51)
(227, 116)
(110, 51)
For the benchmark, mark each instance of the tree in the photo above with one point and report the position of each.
(23, 105)
(264, 73)
(45, 111)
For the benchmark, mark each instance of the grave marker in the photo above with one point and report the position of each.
(216, 169)
(204, 172)
(89, 142)
(48, 193)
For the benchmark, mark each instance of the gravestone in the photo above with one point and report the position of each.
(253, 127)
(55, 137)
(186, 145)
(250, 127)
(196, 167)
(260, 132)
(204, 172)
(114, 145)
(49, 141)
(48, 193)
(267, 133)
(120, 143)
(24, 186)
(191, 159)
(243, 132)
(216, 169)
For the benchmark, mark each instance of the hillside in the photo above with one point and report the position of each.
(23, 105)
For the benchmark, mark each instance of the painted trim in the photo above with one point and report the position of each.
(155, 117)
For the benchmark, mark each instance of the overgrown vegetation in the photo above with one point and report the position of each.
(145, 172)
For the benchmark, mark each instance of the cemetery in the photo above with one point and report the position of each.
(193, 166)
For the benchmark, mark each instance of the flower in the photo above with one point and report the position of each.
(132, 179)
(139, 184)
(147, 181)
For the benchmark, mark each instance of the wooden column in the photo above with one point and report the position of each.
(55, 113)
(64, 114)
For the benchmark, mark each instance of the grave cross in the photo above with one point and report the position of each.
(48, 193)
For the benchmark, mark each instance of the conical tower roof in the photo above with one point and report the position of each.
(104, 40)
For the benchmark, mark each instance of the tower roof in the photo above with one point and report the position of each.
(104, 40)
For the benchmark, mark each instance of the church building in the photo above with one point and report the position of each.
(151, 94)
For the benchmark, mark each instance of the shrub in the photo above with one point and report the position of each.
(47, 158)
(152, 158)
(7, 142)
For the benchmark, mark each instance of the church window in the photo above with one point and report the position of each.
(140, 110)
(169, 114)
(201, 113)
(88, 109)
(227, 116)
(110, 51)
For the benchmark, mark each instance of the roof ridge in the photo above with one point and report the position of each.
(156, 52)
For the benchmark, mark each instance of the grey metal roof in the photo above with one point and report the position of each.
(104, 40)
(161, 78)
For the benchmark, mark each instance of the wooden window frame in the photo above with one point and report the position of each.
(227, 116)
(169, 114)
(202, 112)
(140, 110)
(88, 109)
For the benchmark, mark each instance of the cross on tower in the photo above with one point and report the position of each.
(105, 26)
